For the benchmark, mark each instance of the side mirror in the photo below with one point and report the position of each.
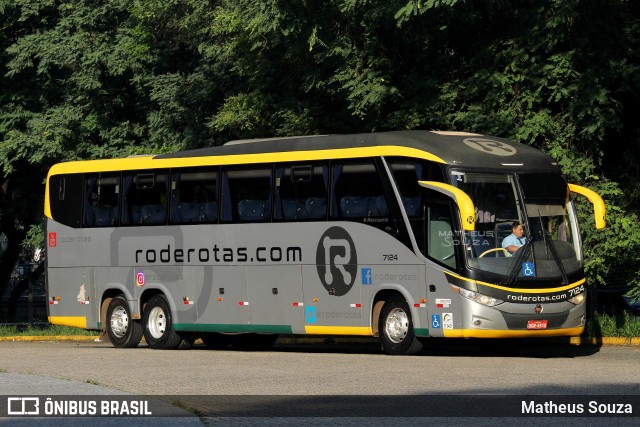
(599, 209)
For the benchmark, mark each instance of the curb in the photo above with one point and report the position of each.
(578, 341)
(80, 338)
(612, 341)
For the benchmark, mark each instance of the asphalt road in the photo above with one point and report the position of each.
(340, 370)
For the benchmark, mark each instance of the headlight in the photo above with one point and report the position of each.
(578, 299)
(479, 298)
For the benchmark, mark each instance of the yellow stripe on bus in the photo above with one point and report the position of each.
(73, 321)
(492, 333)
(339, 330)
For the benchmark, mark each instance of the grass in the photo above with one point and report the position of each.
(52, 330)
(623, 325)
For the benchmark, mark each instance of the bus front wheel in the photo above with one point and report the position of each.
(123, 331)
(158, 325)
(396, 328)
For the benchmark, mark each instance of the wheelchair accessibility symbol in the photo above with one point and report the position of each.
(528, 269)
(435, 321)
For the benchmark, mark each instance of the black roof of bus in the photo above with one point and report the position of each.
(454, 148)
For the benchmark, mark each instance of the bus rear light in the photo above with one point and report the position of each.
(419, 305)
(298, 304)
(355, 305)
(243, 303)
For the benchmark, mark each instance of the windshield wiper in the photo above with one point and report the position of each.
(548, 244)
(523, 253)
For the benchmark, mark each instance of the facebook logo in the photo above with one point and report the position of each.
(367, 276)
(311, 314)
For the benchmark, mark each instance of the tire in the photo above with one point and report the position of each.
(123, 331)
(158, 325)
(253, 342)
(396, 328)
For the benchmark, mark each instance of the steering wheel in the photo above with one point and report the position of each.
(506, 252)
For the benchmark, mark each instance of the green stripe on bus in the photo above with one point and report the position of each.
(265, 329)
(420, 332)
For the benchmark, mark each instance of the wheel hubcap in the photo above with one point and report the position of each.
(119, 322)
(157, 322)
(397, 325)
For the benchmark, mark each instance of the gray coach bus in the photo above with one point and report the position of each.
(396, 235)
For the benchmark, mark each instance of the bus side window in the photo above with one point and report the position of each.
(407, 173)
(145, 198)
(246, 194)
(440, 236)
(358, 193)
(301, 192)
(65, 198)
(194, 196)
(101, 199)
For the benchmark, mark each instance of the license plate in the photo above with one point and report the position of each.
(537, 324)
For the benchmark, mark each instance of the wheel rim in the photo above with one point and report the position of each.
(397, 325)
(119, 321)
(157, 322)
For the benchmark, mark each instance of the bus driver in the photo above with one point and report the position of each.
(516, 239)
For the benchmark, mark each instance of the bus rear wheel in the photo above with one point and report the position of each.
(158, 325)
(123, 331)
(396, 328)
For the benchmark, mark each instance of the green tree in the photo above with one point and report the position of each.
(82, 79)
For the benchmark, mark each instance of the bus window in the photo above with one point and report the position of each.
(358, 192)
(247, 194)
(440, 235)
(406, 174)
(194, 196)
(101, 199)
(65, 198)
(301, 191)
(145, 198)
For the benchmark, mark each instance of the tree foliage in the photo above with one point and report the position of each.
(85, 79)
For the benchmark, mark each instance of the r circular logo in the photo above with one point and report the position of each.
(337, 261)
(490, 146)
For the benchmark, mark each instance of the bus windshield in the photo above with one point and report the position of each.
(548, 245)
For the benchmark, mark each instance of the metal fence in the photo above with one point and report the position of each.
(31, 305)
